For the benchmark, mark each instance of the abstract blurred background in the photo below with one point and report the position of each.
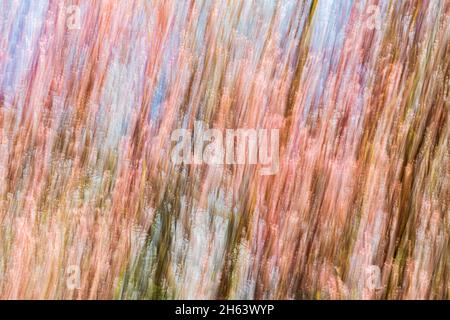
(92, 207)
